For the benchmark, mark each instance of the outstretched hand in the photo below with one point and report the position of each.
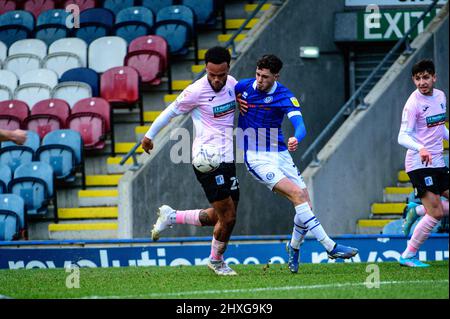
(147, 144)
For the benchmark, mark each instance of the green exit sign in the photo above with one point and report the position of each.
(391, 25)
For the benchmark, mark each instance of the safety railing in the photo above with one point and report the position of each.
(358, 96)
(230, 43)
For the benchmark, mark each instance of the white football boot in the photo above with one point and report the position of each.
(163, 222)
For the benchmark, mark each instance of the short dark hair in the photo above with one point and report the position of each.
(271, 62)
(425, 65)
(218, 55)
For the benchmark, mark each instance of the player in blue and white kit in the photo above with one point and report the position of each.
(264, 103)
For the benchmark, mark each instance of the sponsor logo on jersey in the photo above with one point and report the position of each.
(211, 99)
(224, 109)
(428, 181)
(244, 95)
(295, 102)
(436, 120)
(268, 99)
(220, 180)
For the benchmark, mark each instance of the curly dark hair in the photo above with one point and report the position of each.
(425, 65)
(271, 62)
(218, 55)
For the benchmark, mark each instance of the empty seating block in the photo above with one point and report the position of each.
(72, 92)
(3, 52)
(82, 4)
(156, 5)
(5, 178)
(7, 5)
(36, 7)
(204, 10)
(117, 5)
(70, 47)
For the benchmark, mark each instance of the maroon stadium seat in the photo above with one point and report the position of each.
(12, 114)
(91, 118)
(148, 55)
(120, 85)
(36, 7)
(47, 116)
(82, 4)
(7, 5)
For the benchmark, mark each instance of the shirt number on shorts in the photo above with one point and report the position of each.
(235, 184)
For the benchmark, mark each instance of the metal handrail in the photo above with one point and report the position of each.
(132, 152)
(358, 93)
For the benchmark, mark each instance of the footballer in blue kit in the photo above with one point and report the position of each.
(264, 102)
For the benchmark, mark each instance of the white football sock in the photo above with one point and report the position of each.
(306, 216)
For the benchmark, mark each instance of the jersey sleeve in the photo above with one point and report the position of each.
(186, 101)
(409, 117)
(292, 106)
(240, 86)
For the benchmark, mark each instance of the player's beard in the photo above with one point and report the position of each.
(217, 89)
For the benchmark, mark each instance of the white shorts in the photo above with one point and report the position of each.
(270, 167)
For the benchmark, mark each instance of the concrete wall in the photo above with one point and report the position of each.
(363, 156)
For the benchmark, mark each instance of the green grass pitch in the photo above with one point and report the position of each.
(274, 281)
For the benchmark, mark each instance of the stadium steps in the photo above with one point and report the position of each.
(394, 201)
(95, 217)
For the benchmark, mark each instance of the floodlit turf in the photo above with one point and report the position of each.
(340, 280)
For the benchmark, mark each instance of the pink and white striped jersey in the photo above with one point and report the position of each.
(212, 114)
(424, 120)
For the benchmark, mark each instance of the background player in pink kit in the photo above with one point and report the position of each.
(422, 132)
(211, 104)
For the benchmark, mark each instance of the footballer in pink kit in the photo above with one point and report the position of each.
(422, 132)
(211, 103)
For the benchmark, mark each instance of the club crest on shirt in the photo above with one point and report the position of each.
(442, 106)
(295, 102)
(268, 99)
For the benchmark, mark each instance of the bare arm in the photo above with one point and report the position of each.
(17, 136)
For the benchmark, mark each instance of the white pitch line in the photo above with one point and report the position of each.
(228, 291)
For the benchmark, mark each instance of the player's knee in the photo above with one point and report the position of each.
(299, 195)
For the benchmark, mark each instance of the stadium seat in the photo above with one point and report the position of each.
(204, 11)
(7, 5)
(73, 46)
(12, 217)
(134, 22)
(35, 86)
(176, 25)
(82, 4)
(156, 5)
(36, 7)
(94, 23)
(62, 150)
(91, 118)
(117, 5)
(29, 46)
(120, 87)
(34, 183)
(22, 63)
(3, 53)
(83, 75)
(47, 116)
(106, 53)
(8, 83)
(149, 56)
(15, 25)
(72, 92)
(51, 25)
(12, 114)
(5, 178)
(15, 155)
